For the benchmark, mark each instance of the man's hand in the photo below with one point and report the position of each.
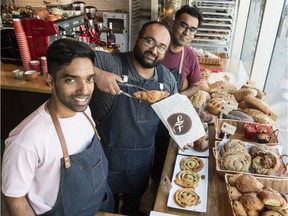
(107, 81)
(19, 206)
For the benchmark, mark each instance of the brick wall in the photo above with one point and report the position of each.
(99, 4)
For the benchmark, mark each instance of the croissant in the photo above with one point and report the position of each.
(151, 96)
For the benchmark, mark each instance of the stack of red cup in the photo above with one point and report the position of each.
(22, 43)
(44, 67)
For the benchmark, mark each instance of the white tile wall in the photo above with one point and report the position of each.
(99, 4)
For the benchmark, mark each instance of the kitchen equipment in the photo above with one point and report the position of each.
(41, 33)
(120, 28)
(79, 6)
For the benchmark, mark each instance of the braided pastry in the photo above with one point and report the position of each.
(187, 179)
(191, 163)
(186, 197)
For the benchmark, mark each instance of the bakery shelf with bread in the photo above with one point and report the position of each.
(236, 156)
(250, 195)
(248, 131)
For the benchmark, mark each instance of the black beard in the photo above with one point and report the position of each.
(140, 57)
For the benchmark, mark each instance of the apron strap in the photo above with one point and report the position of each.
(181, 62)
(56, 123)
(94, 127)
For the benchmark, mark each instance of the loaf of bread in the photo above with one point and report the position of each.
(259, 116)
(222, 86)
(241, 93)
(238, 115)
(256, 103)
(199, 99)
(215, 105)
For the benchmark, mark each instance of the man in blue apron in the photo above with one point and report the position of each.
(183, 63)
(128, 125)
(53, 162)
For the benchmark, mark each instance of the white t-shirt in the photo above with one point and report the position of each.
(31, 161)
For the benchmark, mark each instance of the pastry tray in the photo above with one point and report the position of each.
(279, 185)
(201, 189)
(239, 133)
(221, 172)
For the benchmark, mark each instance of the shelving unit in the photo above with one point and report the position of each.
(216, 31)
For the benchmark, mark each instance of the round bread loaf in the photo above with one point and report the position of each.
(215, 105)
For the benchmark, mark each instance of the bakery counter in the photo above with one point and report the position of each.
(217, 197)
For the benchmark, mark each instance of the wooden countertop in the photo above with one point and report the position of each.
(39, 85)
(8, 81)
(217, 203)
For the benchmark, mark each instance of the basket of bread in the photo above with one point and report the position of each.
(237, 156)
(250, 195)
(210, 58)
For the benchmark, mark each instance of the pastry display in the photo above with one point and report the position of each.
(191, 163)
(187, 179)
(186, 197)
(151, 96)
(255, 197)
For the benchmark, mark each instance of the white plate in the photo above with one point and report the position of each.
(154, 213)
(191, 151)
(201, 189)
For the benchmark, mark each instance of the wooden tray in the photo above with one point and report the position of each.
(222, 172)
(239, 133)
(278, 184)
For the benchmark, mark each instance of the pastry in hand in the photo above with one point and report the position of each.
(151, 96)
(186, 197)
(187, 179)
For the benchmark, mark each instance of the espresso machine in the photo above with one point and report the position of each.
(41, 33)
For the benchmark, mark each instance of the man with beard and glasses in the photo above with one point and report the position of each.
(53, 162)
(128, 125)
(183, 63)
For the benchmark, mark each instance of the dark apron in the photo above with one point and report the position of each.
(83, 188)
(128, 138)
(177, 72)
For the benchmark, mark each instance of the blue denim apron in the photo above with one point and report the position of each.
(177, 72)
(129, 143)
(83, 188)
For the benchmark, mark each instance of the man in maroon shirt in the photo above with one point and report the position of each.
(183, 63)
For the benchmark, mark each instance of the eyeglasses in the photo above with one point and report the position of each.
(184, 27)
(151, 43)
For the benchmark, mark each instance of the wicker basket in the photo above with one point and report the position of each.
(213, 61)
(239, 133)
(277, 184)
(222, 172)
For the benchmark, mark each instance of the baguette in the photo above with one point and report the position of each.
(254, 102)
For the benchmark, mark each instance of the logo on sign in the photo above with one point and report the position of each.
(180, 123)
